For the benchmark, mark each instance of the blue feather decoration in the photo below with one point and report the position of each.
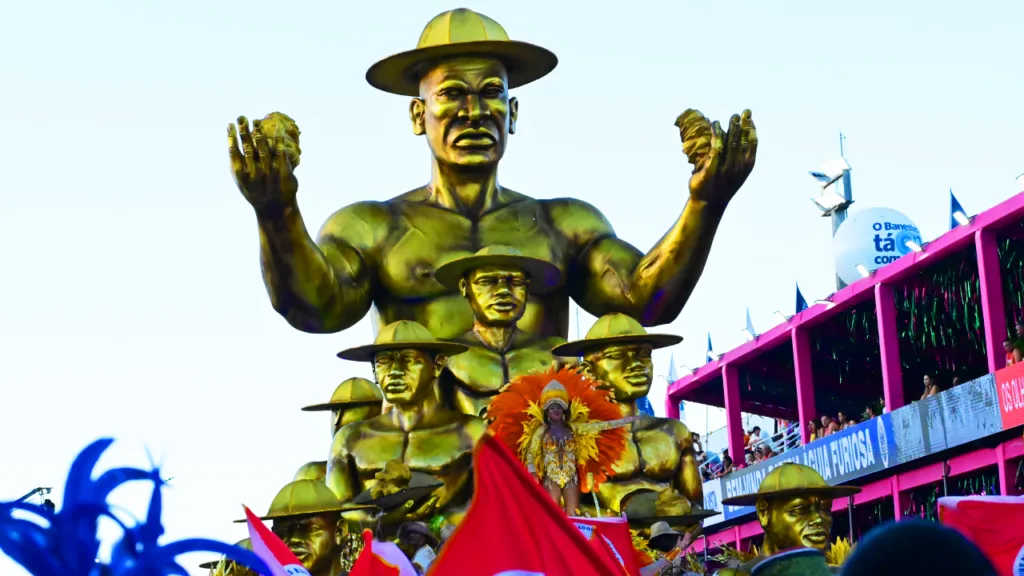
(65, 543)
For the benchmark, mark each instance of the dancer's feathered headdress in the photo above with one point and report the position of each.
(517, 413)
(68, 546)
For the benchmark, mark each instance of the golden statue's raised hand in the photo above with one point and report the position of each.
(263, 167)
(721, 161)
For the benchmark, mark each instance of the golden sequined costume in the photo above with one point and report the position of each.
(597, 440)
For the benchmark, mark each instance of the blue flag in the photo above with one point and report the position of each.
(707, 356)
(750, 325)
(644, 406)
(954, 208)
(801, 304)
(820, 176)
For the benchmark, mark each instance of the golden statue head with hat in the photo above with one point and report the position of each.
(794, 507)
(307, 517)
(463, 56)
(354, 400)
(617, 353)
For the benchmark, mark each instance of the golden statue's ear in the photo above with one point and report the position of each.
(462, 287)
(513, 114)
(417, 109)
(439, 361)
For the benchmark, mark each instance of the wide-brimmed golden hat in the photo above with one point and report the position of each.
(460, 32)
(352, 391)
(401, 335)
(544, 276)
(792, 479)
(304, 498)
(614, 328)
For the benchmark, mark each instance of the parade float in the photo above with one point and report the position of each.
(481, 414)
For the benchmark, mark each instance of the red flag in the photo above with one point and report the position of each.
(274, 553)
(613, 533)
(512, 525)
(381, 559)
(995, 524)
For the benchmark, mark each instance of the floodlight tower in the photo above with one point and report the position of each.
(836, 193)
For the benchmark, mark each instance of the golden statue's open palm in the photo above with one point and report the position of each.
(262, 170)
(721, 161)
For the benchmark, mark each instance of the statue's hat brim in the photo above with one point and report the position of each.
(352, 392)
(366, 353)
(580, 347)
(825, 491)
(544, 276)
(400, 74)
(402, 335)
(285, 515)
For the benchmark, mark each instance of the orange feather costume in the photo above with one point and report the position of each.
(517, 415)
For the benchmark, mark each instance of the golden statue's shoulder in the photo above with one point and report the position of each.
(362, 225)
(579, 220)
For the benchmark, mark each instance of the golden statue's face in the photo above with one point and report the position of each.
(465, 111)
(496, 295)
(797, 522)
(353, 413)
(314, 540)
(625, 369)
(407, 376)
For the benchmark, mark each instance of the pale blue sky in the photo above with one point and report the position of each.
(133, 301)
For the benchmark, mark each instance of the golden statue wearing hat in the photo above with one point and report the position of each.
(497, 282)
(385, 254)
(794, 507)
(418, 431)
(225, 567)
(354, 400)
(307, 517)
(563, 428)
(659, 458)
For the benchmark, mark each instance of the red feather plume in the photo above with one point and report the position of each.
(509, 416)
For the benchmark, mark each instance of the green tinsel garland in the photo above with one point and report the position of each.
(1011, 260)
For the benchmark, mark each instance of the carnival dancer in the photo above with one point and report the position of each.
(564, 429)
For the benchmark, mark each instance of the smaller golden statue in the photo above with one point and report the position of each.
(794, 507)
(659, 461)
(354, 400)
(563, 428)
(497, 282)
(418, 431)
(307, 517)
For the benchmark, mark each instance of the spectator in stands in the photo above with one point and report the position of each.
(1019, 343)
(850, 423)
(698, 448)
(841, 419)
(828, 426)
(931, 386)
(746, 439)
(869, 412)
(752, 457)
(956, 382)
(767, 452)
(1013, 352)
(813, 433)
(758, 436)
(727, 467)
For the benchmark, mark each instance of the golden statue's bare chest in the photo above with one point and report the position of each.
(433, 451)
(424, 236)
(650, 452)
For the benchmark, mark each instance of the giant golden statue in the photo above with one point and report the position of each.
(659, 459)
(496, 282)
(418, 433)
(794, 508)
(384, 254)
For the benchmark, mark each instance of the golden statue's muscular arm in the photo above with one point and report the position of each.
(613, 276)
(342, 477)
(688, 478)
(323, 286)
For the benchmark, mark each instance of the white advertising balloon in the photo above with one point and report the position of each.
(873, 237)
